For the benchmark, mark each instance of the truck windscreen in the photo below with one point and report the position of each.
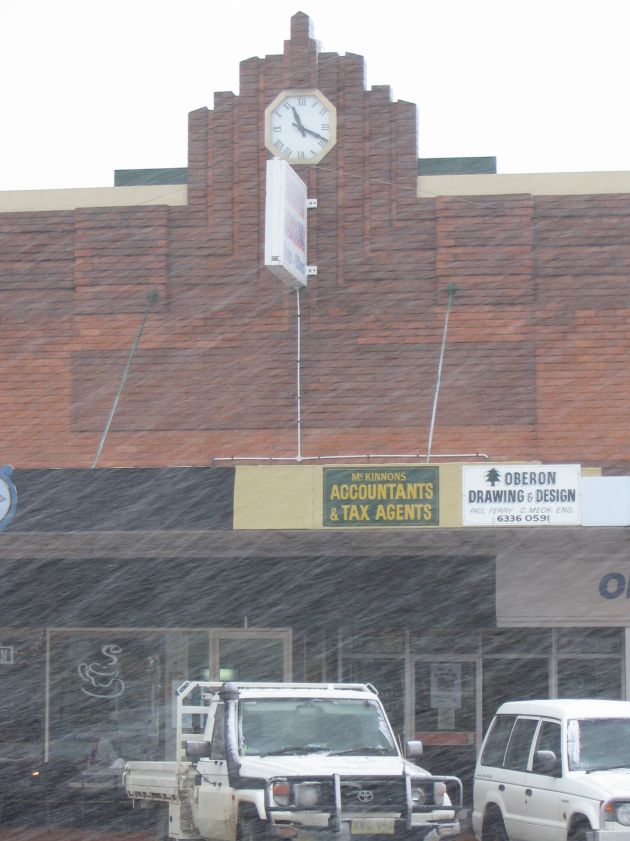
(274, 726)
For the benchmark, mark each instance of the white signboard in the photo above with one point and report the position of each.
(7, 655)
(285, 224)
(521, 495)
(559, 583)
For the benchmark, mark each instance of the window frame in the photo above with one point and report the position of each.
(498, 719)
(555, 723)
(522, 719)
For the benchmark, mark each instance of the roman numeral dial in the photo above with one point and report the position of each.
(300, 126)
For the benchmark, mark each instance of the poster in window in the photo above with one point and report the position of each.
(446, 685)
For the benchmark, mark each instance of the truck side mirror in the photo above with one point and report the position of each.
(197, 750)
(414, 749)
(545, 762)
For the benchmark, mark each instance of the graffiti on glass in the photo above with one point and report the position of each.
(101, 678)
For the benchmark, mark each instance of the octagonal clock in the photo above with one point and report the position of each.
(300, 126)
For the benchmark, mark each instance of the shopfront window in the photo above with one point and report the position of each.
(251, 659)
(445, 696)
(512, 679)
(106, 694)
(22, 699)
(579, 677)
(589, 662)
(387, 675)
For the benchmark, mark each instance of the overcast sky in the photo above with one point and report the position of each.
(90, 86)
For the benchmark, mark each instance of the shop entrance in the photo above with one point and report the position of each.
(243, 654)
(446, 690)
(430, 693)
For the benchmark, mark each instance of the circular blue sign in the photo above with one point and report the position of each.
(8, 496)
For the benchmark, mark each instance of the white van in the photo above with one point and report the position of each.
(555, 770)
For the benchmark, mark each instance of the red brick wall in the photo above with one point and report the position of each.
(536, 365)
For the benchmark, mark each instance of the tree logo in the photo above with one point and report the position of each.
(492, 477)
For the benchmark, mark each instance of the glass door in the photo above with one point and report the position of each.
(251, 654)
(446, 714)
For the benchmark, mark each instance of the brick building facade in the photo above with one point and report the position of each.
(230, 570)
(537, 344)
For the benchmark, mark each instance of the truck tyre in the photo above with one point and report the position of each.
(250, 829)
(493, 828)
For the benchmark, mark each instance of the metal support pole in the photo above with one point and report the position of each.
(451, 290)
(47, 690)
(298, 458)
(151, 299)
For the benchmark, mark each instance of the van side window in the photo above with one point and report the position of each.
(517, 754)
(217, 746)
(549, 739)
(496, 743)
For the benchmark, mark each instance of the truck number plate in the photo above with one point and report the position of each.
(372, 826)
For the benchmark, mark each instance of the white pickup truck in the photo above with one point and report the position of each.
(555, 770)
(293, 761)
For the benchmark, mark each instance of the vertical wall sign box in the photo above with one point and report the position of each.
(285, 224)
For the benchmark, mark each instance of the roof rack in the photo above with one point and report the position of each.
(217, 684)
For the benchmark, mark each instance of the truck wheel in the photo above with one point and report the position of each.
(493, 828)
(250, 829)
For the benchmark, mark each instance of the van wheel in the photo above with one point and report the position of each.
(578, 833)
(493, 828)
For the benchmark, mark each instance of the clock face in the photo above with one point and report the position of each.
(300, 126)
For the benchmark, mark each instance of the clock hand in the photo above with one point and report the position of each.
(298, 122)
(314, 133)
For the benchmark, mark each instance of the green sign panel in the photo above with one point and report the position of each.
(407, 496)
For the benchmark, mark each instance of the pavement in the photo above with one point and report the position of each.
(139, 825)
(43, 833)
(32, 833)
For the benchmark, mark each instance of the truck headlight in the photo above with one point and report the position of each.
(307, 795)
(418, 795)
(281, 793)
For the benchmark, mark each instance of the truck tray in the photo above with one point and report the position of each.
(165, 781)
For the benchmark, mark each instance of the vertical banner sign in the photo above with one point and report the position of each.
(521, 495)
(381, 496)
(285, 224)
